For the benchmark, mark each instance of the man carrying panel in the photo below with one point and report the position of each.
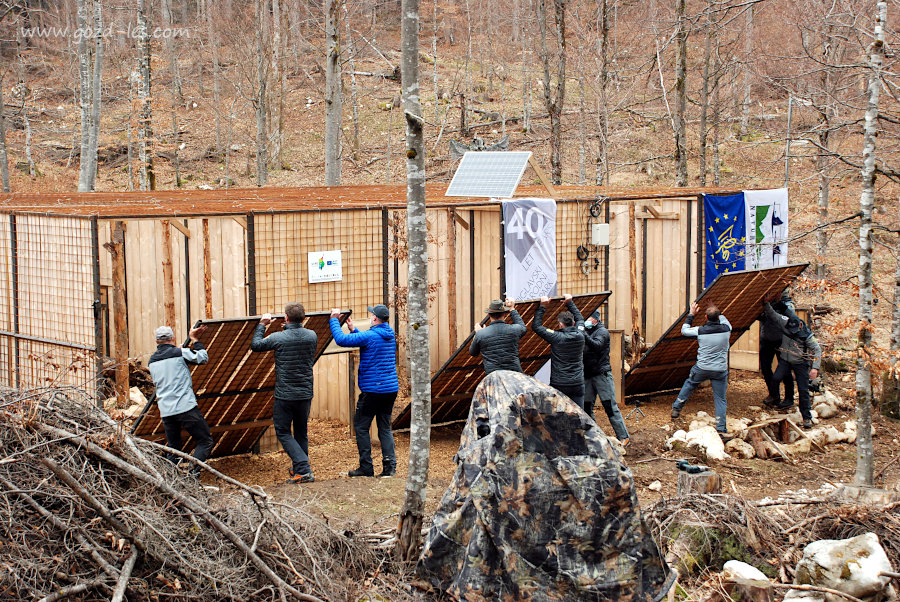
(295, 354)
(799, 353)
(566, 349)
(175, 392)
(770, 334)
(713, 339)
(378, 386)
(498, 342)
(598, 377)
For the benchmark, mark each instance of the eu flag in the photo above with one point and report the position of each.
(726, 234)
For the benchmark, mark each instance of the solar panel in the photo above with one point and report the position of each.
(454, 384)
(493, 174)
(236, 388)
(738, 295)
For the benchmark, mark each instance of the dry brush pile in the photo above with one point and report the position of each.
(86, 510)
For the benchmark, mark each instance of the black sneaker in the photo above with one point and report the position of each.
(359, 472)
(770, 402)
(785, 405)
(807, 423)
(675, 412)
(388, 471)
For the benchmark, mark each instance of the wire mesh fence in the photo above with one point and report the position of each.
(49, 283)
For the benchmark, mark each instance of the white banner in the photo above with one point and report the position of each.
(767, 228)
(529, 231)
(529, 236)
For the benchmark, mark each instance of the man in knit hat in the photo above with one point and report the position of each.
(598, 377)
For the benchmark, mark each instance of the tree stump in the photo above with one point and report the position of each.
(760, 445)
(702, 482)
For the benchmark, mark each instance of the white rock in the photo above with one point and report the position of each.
(834, 400)
(735, 569)
(667, 427)
(850, 431)
(798, 448)
(135, 396)
(737, 426)
(832, 435)
(707, 441)
(817, 399)
(678, 440)
(738, 448)
(754, 408)
(798, 595)
(848, 565)
(655, 486)
(826, 410)
(617, 445)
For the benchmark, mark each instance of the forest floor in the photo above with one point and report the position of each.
(372, 502)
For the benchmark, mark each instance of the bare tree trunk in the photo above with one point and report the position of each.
(603, 172)
(413, 512)
(582, 128)
(333, 104)
(865, 453)
(280, 76)
(354, 98)
(214, 47)
(716, 119)
(96, 77)
(681, 36)
(434, 65)
(145, 127)
(4, 158)
(822, 160)
(526, 74)
(176, 88)
(704, 96)
(748, 55)
(85, 178)
(262, 156)
(554, 103)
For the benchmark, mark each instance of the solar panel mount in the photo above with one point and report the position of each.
(491, 174)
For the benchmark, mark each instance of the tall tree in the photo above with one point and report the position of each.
(259, 102)
(681, 37)
(554, 99)
(865, 453)
(333, 102)
(90, 68)
(412, 514)
(147, 177)
(748, 55)
(4, 159)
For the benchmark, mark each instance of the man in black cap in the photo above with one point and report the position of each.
(566, 349)
(598, 377)
(800, 354)
(295, 354)
(498, 342)
(770, 334)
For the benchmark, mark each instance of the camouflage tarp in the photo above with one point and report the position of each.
(540, 508)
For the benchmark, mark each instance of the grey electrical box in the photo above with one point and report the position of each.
(600, 235)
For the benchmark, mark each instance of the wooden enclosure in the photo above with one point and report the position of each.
(189, 255)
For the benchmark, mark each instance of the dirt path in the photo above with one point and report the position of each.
(370, 501)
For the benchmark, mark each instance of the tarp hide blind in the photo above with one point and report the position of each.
(541, 506)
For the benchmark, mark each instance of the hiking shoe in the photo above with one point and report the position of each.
(296, 478)
(770, 402)
(725, 436)
(785, 405)
(359, 472)
(676, 412)
(626, 442)
(807, 423)
(388, 471)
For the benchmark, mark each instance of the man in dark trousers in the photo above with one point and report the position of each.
(598, 377)
(175, 392)
(770, 334)
(799, 353)
(566, 349)
(377, 376)
(498, 342)
(295, 352)
(713, 339)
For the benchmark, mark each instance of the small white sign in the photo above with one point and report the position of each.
(325, 266)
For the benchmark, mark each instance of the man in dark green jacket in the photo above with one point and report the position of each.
(295, 354)
(566, 349)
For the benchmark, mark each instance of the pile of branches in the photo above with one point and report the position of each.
(772, 534)
(86, 510)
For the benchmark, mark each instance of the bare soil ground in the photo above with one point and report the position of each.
(374, 502)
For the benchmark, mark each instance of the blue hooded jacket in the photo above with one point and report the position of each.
(377, 356)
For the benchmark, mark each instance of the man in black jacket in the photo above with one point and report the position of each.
(498, 342)
(295, 352)
(566, 349)
(598, 377)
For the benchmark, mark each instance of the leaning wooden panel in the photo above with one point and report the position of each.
(236, 388)
(454, 384)
(738, 295)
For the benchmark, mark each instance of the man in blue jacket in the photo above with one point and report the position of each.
(175, 392)
(377, 376)
(713, 340)
(295, 353)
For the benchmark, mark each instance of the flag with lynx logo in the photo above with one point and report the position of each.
(726, 234)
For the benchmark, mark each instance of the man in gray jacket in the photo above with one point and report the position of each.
(713, 340)
(566, 349)
(175, 391)
(295, 353)
(498, 342)
(799, 353)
